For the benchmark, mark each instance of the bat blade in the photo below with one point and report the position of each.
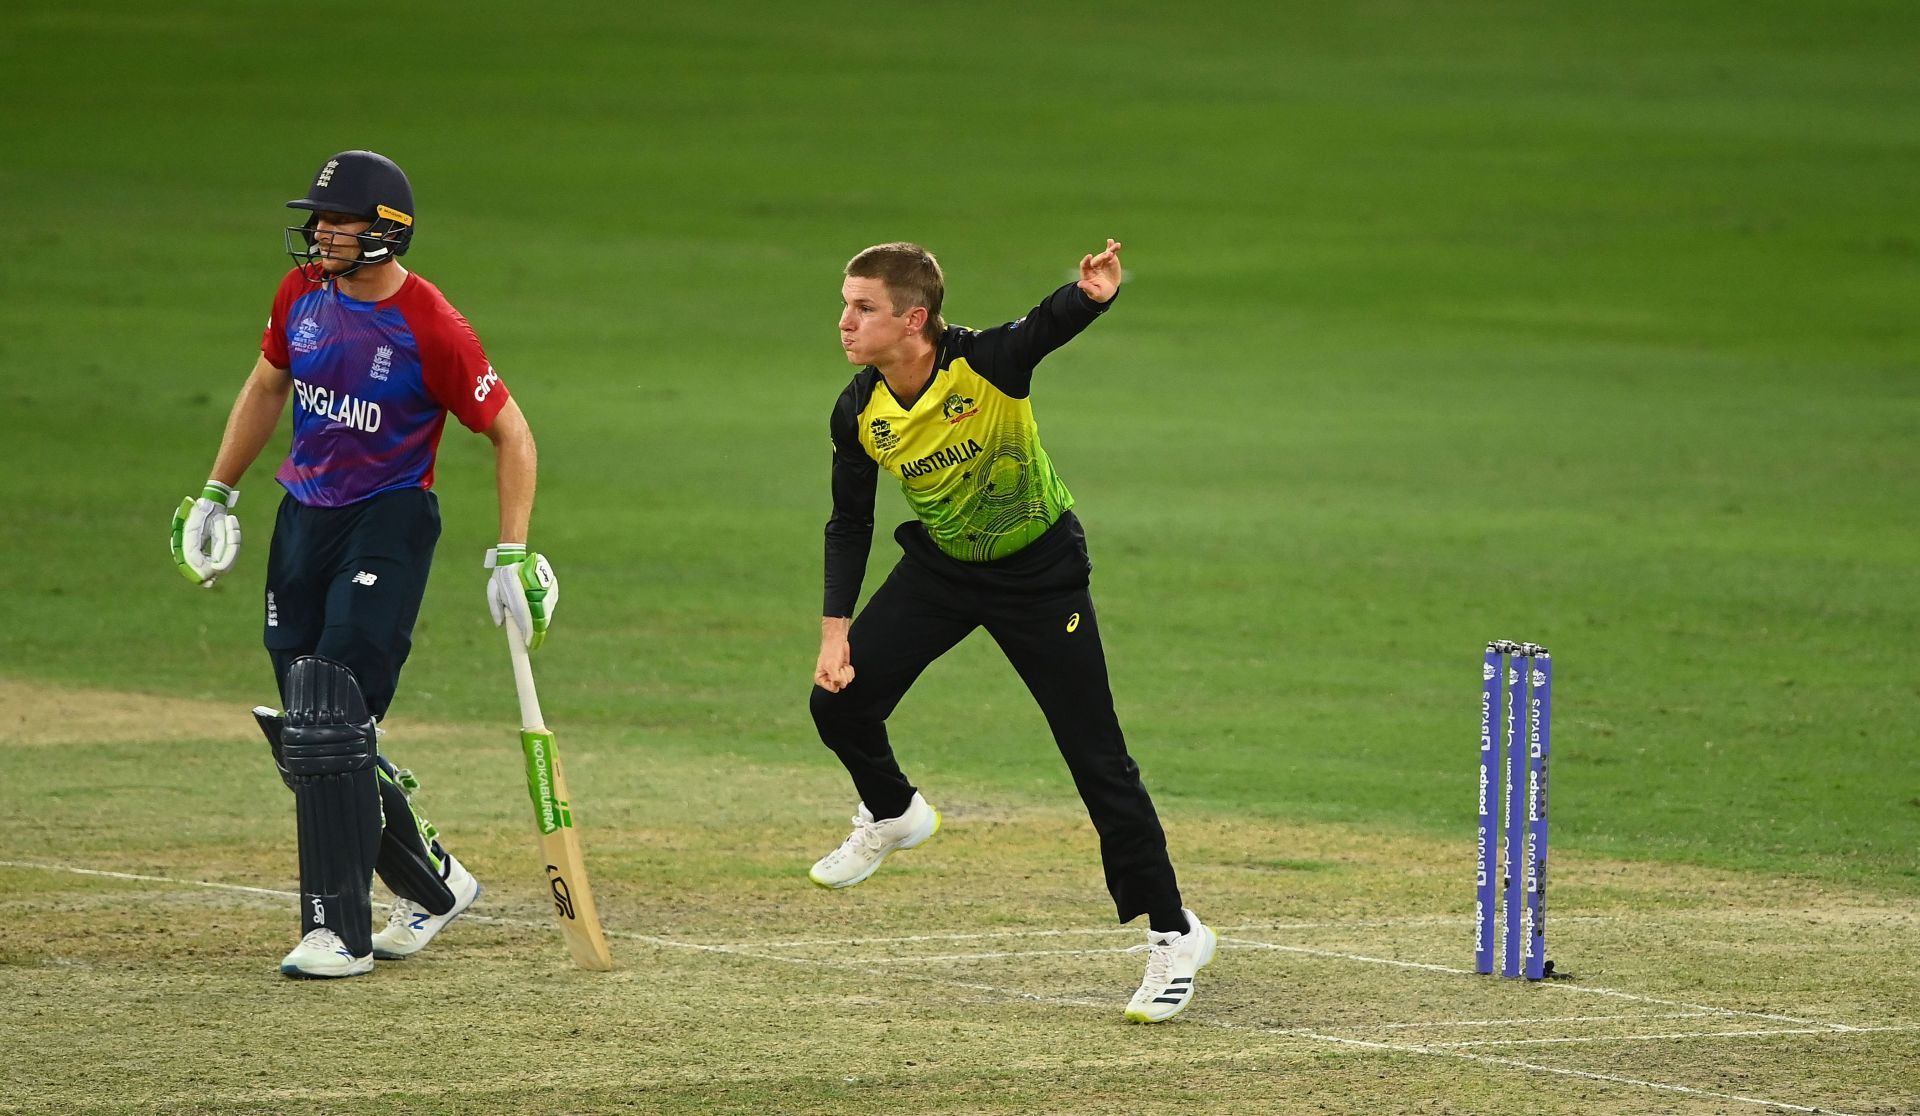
(573, 905)
(553, 816)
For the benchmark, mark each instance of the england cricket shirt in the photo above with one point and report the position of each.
(373, 383)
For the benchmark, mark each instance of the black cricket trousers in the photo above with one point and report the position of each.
(1036, 606)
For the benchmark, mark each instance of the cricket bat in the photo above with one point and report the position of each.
(559, 844)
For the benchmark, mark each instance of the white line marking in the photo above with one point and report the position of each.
(1662, 1038)
(1434, 1051)
(908, 939)
(935, 958)
(1535, 1067)
(758, 949)
(1365, 1044)
(148, 879)
(1428, 966)
(1134, 931)
(1563, 986)
(1592, 990)
(470, 916)
(1539, 1020)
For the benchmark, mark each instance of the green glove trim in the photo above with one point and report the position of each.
(179, 542)
(220, 494)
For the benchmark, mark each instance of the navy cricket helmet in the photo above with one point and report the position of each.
(364, 184)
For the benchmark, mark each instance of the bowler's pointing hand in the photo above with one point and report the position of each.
(1100, 275)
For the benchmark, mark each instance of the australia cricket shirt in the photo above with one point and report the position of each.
(966, 450)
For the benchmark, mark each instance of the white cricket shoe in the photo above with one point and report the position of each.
(1172, 961)
(321, 954)
(409, 925)
(871, 841)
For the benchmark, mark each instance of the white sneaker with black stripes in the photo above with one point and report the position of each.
(410, 926)
(1172, 960)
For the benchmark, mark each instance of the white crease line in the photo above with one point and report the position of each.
(1662, 1038)
(1695, 1011)
(1535, 1067)
(1556, 984)
(1426, 965)
(469, 916)
(1812, 917)
(1365, 1044)
(909, 939)
(757, 950)
(1617, 994)
(273, 893)
(148, 879)
(1538, 1020)
(1061, 1001)
(987, 935)
(974, 956)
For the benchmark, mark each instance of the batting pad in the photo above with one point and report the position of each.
(328, 747)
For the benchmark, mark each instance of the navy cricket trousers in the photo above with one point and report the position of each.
(346, 584)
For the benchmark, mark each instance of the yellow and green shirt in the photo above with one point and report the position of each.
(966, 450)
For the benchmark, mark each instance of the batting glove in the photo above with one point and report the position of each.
(523, 588)
(206, 538)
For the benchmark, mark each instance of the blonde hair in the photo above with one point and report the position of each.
(912, 277)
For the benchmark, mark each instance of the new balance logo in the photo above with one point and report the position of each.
(365, 578)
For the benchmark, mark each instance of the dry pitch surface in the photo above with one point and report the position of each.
(972, 975)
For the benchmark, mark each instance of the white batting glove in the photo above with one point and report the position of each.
(523, 588)
(206, 538)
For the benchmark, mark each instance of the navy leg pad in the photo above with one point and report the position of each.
(271, 722)
(328, 730)
(328, 752)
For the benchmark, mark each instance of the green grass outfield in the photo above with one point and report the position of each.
(1443, 322)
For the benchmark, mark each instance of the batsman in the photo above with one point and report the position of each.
(374, 358)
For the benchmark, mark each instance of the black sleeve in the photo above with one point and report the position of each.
(850, 527)
(1006, 355)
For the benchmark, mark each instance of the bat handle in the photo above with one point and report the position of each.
(530, 718)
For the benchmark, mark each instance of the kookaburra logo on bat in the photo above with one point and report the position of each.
(562, 897)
